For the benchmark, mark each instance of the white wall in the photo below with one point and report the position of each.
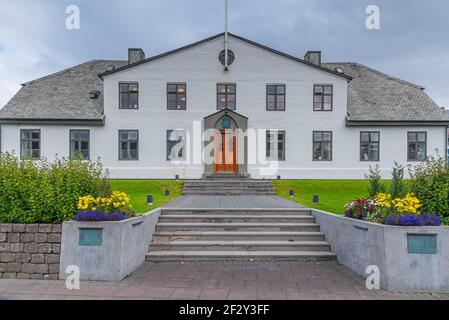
(252, 70)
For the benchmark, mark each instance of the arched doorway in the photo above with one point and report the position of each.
(225, 145)
(229, 147)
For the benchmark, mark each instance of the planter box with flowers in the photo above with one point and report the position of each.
(107, 241)
(409, 248)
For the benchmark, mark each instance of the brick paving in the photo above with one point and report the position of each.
(217, 281)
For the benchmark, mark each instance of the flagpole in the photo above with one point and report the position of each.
(226, 35)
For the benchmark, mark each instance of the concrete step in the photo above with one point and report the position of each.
(229, 188)
(208, 218)
(233, 192)
(239, 235)
(239, 245)
(237, 226)
(160, 256)
(227, 184)
(236, 211)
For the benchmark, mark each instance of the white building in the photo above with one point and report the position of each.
(329, 120)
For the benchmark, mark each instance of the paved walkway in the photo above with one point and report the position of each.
(216, 281)
(232, 202)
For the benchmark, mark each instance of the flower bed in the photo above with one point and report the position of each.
(386, 210)
(117, 207)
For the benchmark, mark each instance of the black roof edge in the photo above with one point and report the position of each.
(94, 122)
(285, 55)
(360, 123)
(225, 111)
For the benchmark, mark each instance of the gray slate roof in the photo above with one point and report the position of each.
(372, 96)
(61, 96)
(376, 96)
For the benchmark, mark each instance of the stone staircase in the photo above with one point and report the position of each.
(228, 184)
(238, 234)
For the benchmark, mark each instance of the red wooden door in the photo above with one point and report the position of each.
(225, 151)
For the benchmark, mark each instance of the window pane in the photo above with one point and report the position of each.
(281, 99)
(231, 97)
(35, 154)
(421, 151)
(317, 106)
(271, 98)
(132, 135)
(318, 89)
(124, 100)
(411, 136)
(35, 135)
(374, 136)
(35, 145)
(317, 136)
(421, 137)
(124, 87)
(231, 89)
(171, 88)
(181, 89)
(364, 152)
(327, 106)
(374, 152)
(280, 106)
(133, 88)
(281, 89)
(327, 136)
(327, 151)
(328, 90)
(270, 106)
(221, 88)
(84, 135)
(271, 89)
(327, 99)
(85, 154)
(317, 151)
(364, 137)
(317, 99)
(231, 105)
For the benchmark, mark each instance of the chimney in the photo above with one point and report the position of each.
(135, 55)
(313, 57)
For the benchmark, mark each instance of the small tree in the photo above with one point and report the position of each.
(398, 188)
(430, 183)
(375, 181)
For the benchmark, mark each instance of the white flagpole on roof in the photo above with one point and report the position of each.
(226, 35)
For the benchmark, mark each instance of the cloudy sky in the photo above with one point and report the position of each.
(412, 44)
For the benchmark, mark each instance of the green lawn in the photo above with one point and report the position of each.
(139, 189)
(334, 194)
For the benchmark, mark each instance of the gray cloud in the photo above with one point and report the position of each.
(412, 43)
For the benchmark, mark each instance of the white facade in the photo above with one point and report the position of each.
(252, 70)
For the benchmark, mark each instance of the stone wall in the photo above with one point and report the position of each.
(30, 251)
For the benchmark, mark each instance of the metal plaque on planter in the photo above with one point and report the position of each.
(422, 243)
(90, 237)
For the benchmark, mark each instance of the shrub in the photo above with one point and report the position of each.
(360, 209)
(430, 183)
(375, 181)
(98, 215)
(43, 192)
(398, 188)
(424, 219)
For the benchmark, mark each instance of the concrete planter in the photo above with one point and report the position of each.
(359, 244)
(106, 251)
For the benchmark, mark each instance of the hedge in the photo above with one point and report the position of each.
(44, 192)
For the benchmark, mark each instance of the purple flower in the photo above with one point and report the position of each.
(425, 219)
(98, 215)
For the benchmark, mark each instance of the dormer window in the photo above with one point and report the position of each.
(129, 95)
